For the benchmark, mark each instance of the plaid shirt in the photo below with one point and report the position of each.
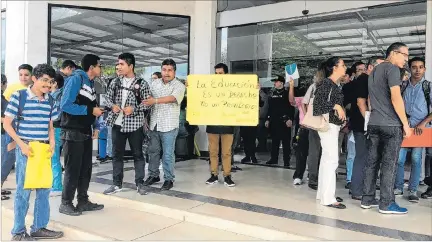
(114, 97)
(165, 117)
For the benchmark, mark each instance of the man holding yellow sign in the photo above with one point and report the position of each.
(222, 101)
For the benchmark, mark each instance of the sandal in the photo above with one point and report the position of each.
(339, 199)
(4, 198)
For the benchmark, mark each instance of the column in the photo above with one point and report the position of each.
(428, 51)
(26, 35)
(203, 49)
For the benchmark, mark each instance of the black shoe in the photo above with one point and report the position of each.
(212, 180)
(348, 185)
(338, 206)
(271, 162)
(23, 237)
(6, 192)
(69, 209)
(427, 194)
(46, 234)
(141, 189)
(4, 198)
(313, 187)
(104, 160)
(151, 180)
(89, 206)
(228, 181)
(246, 159)
(377, 187)
(358, 198)
(235, 168)
(254, 160)
(287, 165)
(413, 197)
(167, 185)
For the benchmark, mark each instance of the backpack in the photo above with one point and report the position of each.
(426, 92)
(21, 102)
(135, 91)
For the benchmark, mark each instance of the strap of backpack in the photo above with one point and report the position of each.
(21, 102)
(403, 87)
(426, 91)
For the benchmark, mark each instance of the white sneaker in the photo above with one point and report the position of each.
(297, 181)
(55, 193)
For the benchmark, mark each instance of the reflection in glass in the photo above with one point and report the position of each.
(355, 35)
(151, 38)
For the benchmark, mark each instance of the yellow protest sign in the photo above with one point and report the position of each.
(229, 100)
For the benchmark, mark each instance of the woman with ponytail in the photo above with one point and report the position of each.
(329, 100)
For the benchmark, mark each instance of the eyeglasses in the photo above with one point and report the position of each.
(404, 54)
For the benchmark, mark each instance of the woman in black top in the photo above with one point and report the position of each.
(329, 100)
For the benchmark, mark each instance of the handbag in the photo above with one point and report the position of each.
(318, 123)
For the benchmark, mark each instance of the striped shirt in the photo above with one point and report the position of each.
(36, 115)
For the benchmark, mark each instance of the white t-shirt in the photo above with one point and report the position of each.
(126, 83)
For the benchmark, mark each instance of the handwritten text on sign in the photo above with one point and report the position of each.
(230, 100)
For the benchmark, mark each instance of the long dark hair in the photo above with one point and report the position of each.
(328, 65)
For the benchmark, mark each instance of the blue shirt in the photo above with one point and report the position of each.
(36, 114)
(415, 103)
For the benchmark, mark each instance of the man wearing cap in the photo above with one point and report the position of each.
(279, 121)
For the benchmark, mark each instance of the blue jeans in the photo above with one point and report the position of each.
(22, 197)
(162, 141)
(7, 157)
(55, 163)
(416, 159)
(350, 157)
(109, 143)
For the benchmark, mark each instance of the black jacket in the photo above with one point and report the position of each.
(280, 110)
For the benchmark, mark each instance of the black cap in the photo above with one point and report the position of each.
(279, 78)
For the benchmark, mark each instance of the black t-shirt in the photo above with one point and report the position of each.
(360, 90)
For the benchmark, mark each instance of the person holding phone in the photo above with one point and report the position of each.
(78, 123)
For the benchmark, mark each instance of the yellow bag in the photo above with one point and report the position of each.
(38, 172)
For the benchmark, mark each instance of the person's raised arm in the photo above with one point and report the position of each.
(291, 97)
(70, 93)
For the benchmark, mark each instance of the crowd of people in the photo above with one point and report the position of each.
(371, 106)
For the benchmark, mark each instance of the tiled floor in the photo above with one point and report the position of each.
(267, 197)
(119, 223)
(263, 197)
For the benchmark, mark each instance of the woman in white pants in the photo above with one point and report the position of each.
(329, 100)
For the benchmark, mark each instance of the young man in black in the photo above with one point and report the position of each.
(79, 111)
(279, 120)
(126, 118)
(359, 106)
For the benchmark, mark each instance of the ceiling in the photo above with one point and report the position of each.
(355, 34)
(150, 37)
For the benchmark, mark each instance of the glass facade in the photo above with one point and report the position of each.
(76, 31)
(265, 48)
(225, 5)
(3, 40)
